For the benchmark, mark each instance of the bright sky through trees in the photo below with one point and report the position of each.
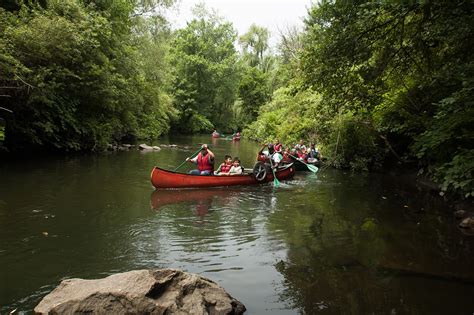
(273, 14)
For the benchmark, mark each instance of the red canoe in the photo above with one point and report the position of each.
(215, 135)
(161, 178)
(236, 138)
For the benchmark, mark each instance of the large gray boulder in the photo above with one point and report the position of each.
(162, 291)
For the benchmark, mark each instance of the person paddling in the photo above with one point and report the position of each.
(275, 156)
(204, 161)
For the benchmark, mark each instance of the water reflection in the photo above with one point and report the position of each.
(386, 257)
(200, 201)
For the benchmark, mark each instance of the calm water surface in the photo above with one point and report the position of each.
(335, 243)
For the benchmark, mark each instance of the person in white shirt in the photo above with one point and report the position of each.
(275, 156)
(236, 168)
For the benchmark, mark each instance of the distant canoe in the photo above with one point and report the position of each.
(161, 178)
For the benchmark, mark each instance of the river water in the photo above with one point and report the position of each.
(331, 243)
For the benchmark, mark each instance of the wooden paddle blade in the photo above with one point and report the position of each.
(312, 168)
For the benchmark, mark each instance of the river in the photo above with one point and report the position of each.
(332, 243)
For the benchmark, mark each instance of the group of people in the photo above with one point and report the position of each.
(275, 153)
(280, 154)
(205, 164)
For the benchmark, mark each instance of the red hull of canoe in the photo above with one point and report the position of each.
(236, 139)
(215, 135)
(161, 178)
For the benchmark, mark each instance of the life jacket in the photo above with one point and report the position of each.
(225, 168)
(262, 158)
(278, 147)
(204, 164)
(286, 157)
(302, 155)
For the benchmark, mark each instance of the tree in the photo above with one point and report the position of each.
(206, 75)
(253, 93)
(254, 45)
(78, 76)
(404, 69)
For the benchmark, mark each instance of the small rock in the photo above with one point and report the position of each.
(156, 148)
(467, 223)
(144, 146)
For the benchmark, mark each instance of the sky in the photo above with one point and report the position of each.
(275, 15)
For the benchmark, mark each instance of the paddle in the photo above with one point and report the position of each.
(194, 154)
(230, 137)
(276, 183)
(312, 168)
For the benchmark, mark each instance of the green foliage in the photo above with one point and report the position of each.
(77, 76)
(206, 76)
(402, 68)
(253, 93)
(254, 45)
(458, 174)
(353, 143)
(395, 82)
(288, 117)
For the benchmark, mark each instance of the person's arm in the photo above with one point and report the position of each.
(211, 154)
(195, 159)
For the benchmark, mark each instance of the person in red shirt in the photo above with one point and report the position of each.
(278, 146)
(302, 155)
(204, 161)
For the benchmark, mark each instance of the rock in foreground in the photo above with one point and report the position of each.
(162, 291)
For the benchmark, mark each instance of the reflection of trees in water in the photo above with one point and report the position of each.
(350, 254)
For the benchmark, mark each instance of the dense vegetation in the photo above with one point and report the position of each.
(374, 83)
(382, 81)
(79, 74)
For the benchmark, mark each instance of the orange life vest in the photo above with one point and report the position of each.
(204, 164)
(225, 168)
